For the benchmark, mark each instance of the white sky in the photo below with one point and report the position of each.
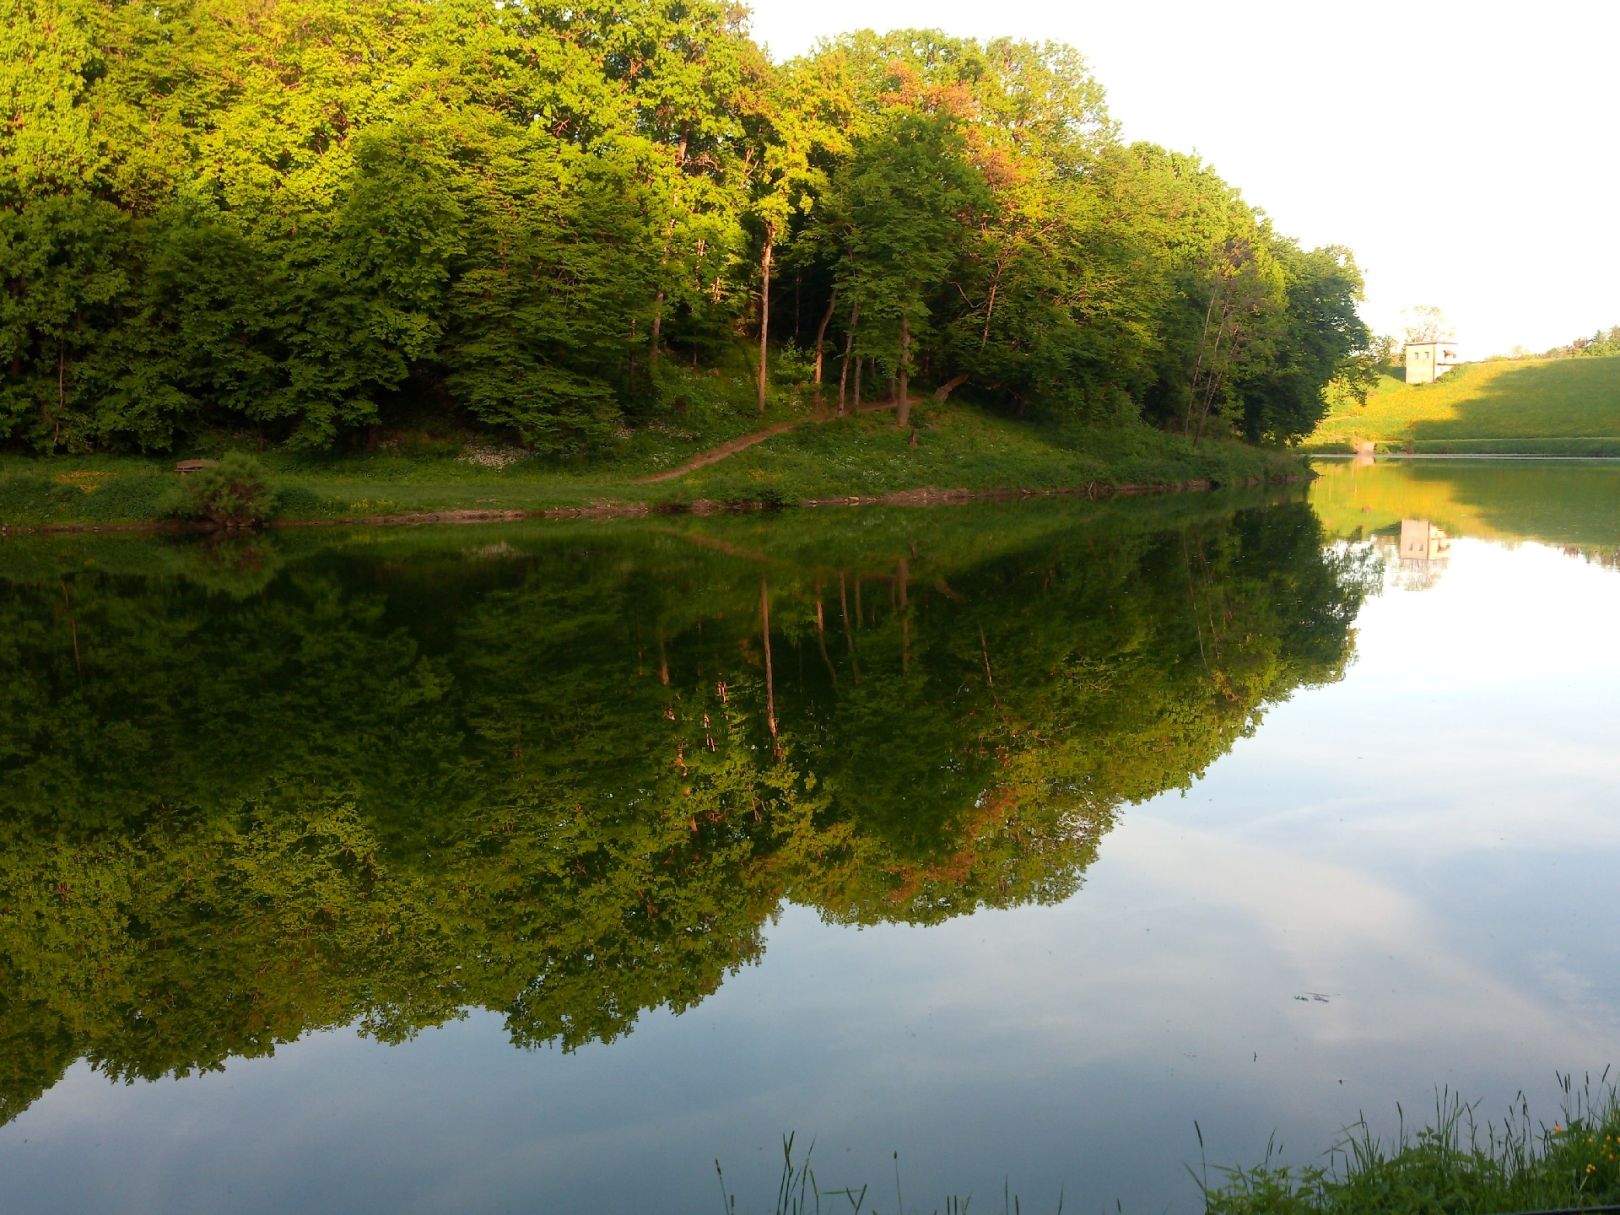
(1466, 152)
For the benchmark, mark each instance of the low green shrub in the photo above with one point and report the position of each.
(233, 494)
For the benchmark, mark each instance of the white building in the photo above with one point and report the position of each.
(1426, 362)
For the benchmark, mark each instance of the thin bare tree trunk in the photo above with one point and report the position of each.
(849, 345)
(1214, 381)
(989, 311)
(903, 409)
(764, 314)
(1198, 363)
(657, 329)
(821, 334)
(663, 260)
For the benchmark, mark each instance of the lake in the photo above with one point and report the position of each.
(539, 867)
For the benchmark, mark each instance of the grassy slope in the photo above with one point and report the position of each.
(959, 447)
(1536, 406)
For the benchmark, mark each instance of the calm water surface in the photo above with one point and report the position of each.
(535, 869)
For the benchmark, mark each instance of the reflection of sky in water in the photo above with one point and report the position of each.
(1430, 845)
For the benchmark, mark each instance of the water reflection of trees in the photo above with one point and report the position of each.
(576, 783)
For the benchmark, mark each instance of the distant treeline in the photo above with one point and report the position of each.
(302, 218)
(1601, 343)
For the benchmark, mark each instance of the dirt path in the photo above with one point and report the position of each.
(743, 442)
(715, 454)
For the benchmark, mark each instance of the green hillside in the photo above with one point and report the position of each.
(1535, 406)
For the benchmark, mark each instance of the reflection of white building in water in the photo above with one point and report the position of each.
(1421, 553)
(1423, 541)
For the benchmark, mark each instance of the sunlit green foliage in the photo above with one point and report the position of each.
(303, 221)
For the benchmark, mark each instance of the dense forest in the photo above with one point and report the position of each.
(299, 221)
(570, 776)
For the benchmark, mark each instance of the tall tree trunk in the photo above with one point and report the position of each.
(989, 311)
(663, 260)
(859, 363)
(903, 409)
(1204, 392)
(821, 335)
(1198, 363)
(764, 313)
(1214, 379)
(657, 329)
(61, 393)
(849, 345)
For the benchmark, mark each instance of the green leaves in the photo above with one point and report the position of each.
(311, 217)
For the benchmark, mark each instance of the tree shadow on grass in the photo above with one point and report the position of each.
(1546, 400)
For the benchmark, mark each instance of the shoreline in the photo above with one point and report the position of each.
(920, 497)
(925, 496)
(962, 455)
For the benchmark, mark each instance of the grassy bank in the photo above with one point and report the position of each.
(1529, 407)
(1456, 1165)
(957, 447)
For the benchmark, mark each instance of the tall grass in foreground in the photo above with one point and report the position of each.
(1456, 1166)
(798, 1194)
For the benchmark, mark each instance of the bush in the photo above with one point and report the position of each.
(233, 494)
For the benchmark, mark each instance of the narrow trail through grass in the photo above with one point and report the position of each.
(743, 442)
